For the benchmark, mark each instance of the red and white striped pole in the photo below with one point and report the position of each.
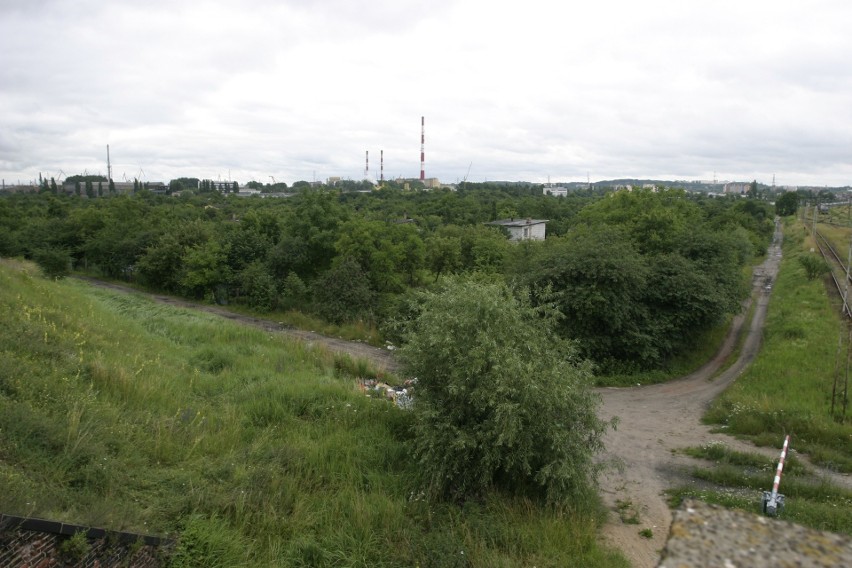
(780, 467)
(422, 148)
(774, 502)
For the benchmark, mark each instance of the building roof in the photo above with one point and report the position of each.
(518, 222)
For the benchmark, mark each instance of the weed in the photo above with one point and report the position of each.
(646, 533)
(627, 512)
(75, 548)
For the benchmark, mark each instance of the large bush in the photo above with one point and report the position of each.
(501, 401)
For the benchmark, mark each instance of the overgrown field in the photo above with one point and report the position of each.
(121, 413)
(788, 389)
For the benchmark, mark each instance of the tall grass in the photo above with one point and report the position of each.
(121, 413)
(787, 390)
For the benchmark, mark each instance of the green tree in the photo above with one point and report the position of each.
(443, 255)
(343, 292)
(313, 228)
(258, 287)
(391, 255)
(599, 281)
(162, 264)
(787, 204)
(54, 262)
(205, 269)
(501, 402)
(90, 189)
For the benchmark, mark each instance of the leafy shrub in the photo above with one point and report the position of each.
(814, 266)
(74, 549)
(56, 263)
(500, 400)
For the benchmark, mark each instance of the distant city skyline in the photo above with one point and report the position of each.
(300, 90)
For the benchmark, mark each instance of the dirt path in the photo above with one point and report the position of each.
(380, 358)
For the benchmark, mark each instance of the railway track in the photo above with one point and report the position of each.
(836, 262)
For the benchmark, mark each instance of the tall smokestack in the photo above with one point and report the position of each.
(422, 148)
(367, 166)
(382, 165)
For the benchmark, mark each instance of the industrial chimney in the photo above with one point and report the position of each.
(422, 148)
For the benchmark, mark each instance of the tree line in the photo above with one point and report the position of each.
(633, 277)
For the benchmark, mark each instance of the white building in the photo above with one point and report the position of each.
(523, 229)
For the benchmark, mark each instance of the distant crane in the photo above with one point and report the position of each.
(273, 180)
(464, 180)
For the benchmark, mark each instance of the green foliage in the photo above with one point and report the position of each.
(641, 279)
(75, 548)
(787, 204)
(343, 293)
(208, 543)
(204, 269)
(55, 263)
(258, 287)
(598, 280)
(294, 292)
(815, 266)
(500, 399)
(390, 255)
(125, 414)
(202, 244)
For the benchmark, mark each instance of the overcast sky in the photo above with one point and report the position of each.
(532, 90)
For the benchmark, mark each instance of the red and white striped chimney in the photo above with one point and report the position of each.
(382, 165)
(422, 148)
(367, 166)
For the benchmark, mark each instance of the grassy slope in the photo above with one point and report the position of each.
(118, 412)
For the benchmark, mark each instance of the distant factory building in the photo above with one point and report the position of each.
(737, 187)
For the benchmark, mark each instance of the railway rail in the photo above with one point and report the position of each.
(835, 261)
